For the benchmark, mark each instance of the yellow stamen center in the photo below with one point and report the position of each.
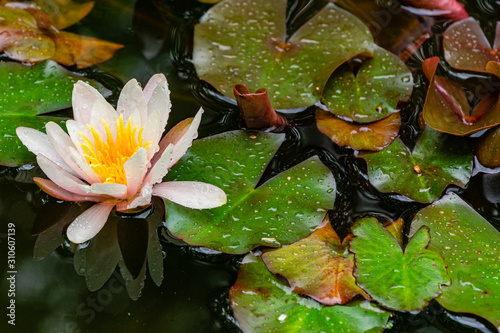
(107, 158)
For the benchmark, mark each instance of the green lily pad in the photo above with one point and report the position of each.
(374, 92)
(422, 175)
(264, 303)
(245, 41)
(319, 266)
(471, 248)
(399, 280)
(26, 93)
(284, 209)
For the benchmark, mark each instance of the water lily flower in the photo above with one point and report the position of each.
(115, 157)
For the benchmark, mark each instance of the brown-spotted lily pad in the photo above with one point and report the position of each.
(466, 46)
(319, 266)
(374, 92)
(244, 41)
(447, 108)
(374, 136)
(470, 245)
(422, 174)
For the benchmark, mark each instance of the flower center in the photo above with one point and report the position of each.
(107, 158)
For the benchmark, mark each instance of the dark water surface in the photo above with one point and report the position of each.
(157, 34)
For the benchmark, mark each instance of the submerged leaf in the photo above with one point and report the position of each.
(446, 9)
(399, 280)
(280, 211)
(64, 13)
(470, 245)
(244, 41)
(319, 266)
(422, 175)
(488, 148)
(262, 302)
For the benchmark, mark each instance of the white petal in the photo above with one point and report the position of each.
(61, 177)
(135, 170)
(152, 132)
(84, 97)
(186, 141)
(160, 169)
(89, 223)
(157, 95)
(75, 131)
(91, 176)
(143, 199)
(191, 194)
(102, 110)
(131, 98)
(118, 191)
(39, 143)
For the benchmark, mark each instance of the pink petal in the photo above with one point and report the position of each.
(196, 195)
(131, 98)
(91, 176)
(103, 111)
(160, 168)
(135, 170)
(157, 96)
(84, 97)
(75, 131)
(153, 132)
(186, 140)
(143, 199)
(118, 191)
(39, 143)
(89, 223)
(58, 192)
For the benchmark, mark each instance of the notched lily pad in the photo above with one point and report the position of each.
(26, 93)
(264, 303)
(399, 280)
(284, 209)
(319, 266)
(244, 41)
(422, 174)
(470, 245)
(447, 108)
(374, 92)
(375, 136)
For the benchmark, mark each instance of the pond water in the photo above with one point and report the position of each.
(157, 34)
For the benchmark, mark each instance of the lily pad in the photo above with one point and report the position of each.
(26, 93)
(466, 47)
(374, 92)
(436, 161)
(375, 136)
(447, 108)
(65, 13)
(470, 245)
(399, 280)
(319, 266)
(444, 9)
(245, 41)
(280, 211)
(264, 303)
(488, 148)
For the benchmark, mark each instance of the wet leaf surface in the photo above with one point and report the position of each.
(26, 93)
(374, 136)
(399, 280)
(284, 209)
(65, 13)
(264, 303)
(319, 266)
(447, 108)
(243, 41)
(470, 246)
(422, 174)
(445, 9)
(374, 92)
(488, 148)
(466, 47)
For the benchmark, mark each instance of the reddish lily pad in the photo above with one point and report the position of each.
(488, 148)
(447, 109)
(445, 9)
(244, 41)
(375, 136)
(466, 47)
(399, 280)
(422, 175)
(264, 303)
(319, 266)
(27, 93)
(470, 245)
(280, 211)
(374, 92)
(65, 13)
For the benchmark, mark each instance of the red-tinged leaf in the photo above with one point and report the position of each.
(467, 48)
(319, 266)
(256, 109)
(65, 13)
(374, 136)
(447, 109)
(82, 51)
(488, 148)
(410, 50)
(493, 67)
(445, 9)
